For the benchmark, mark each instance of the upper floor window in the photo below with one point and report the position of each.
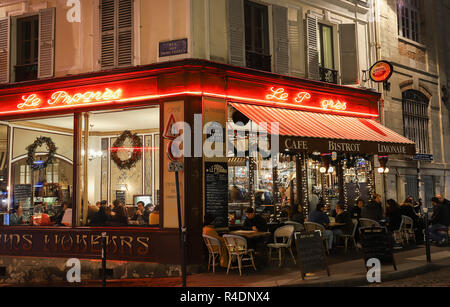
(257, 49)
(326, 54)
(116, 25)
(415, 119)
(27, 48)
(408, 19)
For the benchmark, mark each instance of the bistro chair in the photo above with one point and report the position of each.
(368, 222)
(352, 236)
(311, 227)
(398, 234)
(297, 226)
(408, 229)
(237, 249)
(213, 246)
(285, 233)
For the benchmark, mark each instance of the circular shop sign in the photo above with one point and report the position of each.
(381, 71)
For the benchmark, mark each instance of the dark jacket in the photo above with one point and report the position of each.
(446, 209)
(372, 211)
(409, 212)
(257, 221)
(298, 217)
(319, 217)
(439, 215)
(345, 218)
(100, 218)
(394, 219)
(355, 212)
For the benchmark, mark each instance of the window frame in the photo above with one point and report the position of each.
(416, 119)
(406, 10)
(320, 47)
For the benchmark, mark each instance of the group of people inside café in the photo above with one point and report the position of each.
(100, 214)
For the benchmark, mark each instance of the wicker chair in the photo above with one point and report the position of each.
(237, 249)
(285, 233)
(213, 246)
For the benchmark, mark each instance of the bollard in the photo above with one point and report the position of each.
(104, 259)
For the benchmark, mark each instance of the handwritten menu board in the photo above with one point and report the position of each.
(121, 195)
(310, 253)
(376, 243)
(216, 192)
(22, 194)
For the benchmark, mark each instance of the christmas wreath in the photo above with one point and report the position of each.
(135, 155)
(31, 149)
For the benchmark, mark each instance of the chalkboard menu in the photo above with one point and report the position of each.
(216, 192)
(310, 253)
(376, 243)
(121, 195)
(22, 194)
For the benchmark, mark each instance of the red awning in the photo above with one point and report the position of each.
(316, 127)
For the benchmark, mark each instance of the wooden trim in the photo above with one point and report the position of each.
(117, 133)
(41, 126)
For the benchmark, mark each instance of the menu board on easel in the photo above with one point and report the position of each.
(216, 192)
(310, 253)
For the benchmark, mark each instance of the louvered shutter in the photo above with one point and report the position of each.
(281, 39)
(4, 50)
(349, 59)
(46, 61)
(125, 33)
(236, 32)
(312, 54)
(107, 27)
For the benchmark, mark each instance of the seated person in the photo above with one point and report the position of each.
(153, 218)
(297, 214)
(92, 209)
(254, 221)
(372, 210)
(407, 209)
(17, 218)
(393, 216)
(355, 211)
(344, 218)
(208, 229)
(59, 216)
(119, 214)
(438, 221)
(141, 215)
(320, 217)
(101, 217)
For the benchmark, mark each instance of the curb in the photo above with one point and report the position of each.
(362, 281)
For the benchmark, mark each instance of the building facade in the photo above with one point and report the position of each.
(98, 84)
(410, 35)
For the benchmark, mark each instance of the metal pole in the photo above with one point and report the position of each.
(104, 258)
(182, 231)
(427, 235)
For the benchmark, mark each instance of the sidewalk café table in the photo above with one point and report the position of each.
(256, 240)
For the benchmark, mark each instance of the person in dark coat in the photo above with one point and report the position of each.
(355, 211)
(393, 215)
(438, 221)
(445, 207)
(119, 217)
(372, 210)
(101, 217)
(407, 209)
(297, 214)
(254, 221)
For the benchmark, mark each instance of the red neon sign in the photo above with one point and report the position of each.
(64, 98)
(277, 94)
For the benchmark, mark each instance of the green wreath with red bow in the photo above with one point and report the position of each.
(136, 155)
(31, 149)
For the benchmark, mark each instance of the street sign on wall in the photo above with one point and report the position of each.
(423, 157)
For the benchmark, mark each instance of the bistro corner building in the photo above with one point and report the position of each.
(105, 136)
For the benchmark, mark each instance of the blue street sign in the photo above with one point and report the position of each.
(423, 157)
(174, 47)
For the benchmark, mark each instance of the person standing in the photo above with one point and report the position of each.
(355, 211)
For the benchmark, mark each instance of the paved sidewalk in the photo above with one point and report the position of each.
(349, 273)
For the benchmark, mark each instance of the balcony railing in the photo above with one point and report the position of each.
(258, 61)
(328, 75)
(25, 72)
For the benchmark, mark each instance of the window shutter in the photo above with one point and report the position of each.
(46, 62)
(349, 60)
(4, 50)
(312, 54)
(281, 39)
(107, 27)
(236, 32)
(125, 33)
